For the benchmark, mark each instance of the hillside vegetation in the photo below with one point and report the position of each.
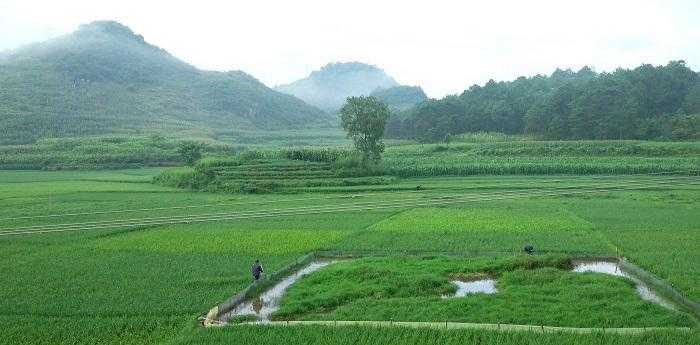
(105, 79)
(108, 152)
(648, 102)
(400, 98)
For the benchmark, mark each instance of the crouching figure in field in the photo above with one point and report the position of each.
(256, 270)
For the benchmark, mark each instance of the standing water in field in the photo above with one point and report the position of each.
(612, 268)
(487, 286)
(268, 302)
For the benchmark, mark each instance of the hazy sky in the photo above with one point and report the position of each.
(443, 46)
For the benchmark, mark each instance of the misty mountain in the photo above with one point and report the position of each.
(400, 98)
(104, 78)
(328, 87)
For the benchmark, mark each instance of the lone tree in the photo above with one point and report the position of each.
(190, 151)
(363, 118)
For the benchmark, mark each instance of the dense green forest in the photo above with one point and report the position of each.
(105, 79)
(648, 102)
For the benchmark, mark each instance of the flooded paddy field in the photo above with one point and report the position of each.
(261, 307)
(613, 268)
(526, 290)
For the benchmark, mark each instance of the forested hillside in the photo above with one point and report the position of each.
(105, 79)
(648, 102)
(328, 87)
(400, 97)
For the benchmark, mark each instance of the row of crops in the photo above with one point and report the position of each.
(416, 166)
(543, 158)
(557, 148)
(293, 169)
(107, 152)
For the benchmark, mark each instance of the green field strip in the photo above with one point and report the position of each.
(528, 184)
(465, 325)
(314, 210)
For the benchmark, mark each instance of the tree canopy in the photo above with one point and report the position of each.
(364, 119)
(648, 102)
(190, 151)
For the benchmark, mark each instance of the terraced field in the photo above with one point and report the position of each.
(267, 175)
(287, 175)
(315, 169)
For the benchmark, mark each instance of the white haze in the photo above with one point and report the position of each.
(443, 46)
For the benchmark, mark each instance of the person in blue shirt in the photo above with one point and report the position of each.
(256, 270)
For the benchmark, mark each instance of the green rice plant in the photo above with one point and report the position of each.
(372, 335)
(488, 137)
(315, 154)
(176, 177)
(104, 152)
(480, 227)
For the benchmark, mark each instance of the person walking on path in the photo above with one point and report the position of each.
(256, 270)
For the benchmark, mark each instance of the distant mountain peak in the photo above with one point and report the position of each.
(347, 67)
(328, 87)
(109, 27)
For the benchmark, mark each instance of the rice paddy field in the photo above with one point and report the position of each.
(108, 257)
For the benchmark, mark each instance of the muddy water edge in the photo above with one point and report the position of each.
(261, 307)
(613, 268)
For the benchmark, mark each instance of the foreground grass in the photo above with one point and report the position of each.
(49, 330)
(366, 335)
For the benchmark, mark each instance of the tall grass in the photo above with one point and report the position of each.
(314, 154)
(368, 335)
(489, 137)
(542, 158)
(108, 152)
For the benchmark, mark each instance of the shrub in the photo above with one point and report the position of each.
(316, 154)
(176, 177)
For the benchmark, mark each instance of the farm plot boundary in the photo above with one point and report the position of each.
(212, 317)
(465, 325)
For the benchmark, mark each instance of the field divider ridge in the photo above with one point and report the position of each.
(213, 316)
(503, 327)
(661, 286)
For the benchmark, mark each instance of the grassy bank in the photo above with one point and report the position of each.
(371, 335)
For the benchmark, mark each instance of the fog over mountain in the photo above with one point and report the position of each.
(328, 87)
